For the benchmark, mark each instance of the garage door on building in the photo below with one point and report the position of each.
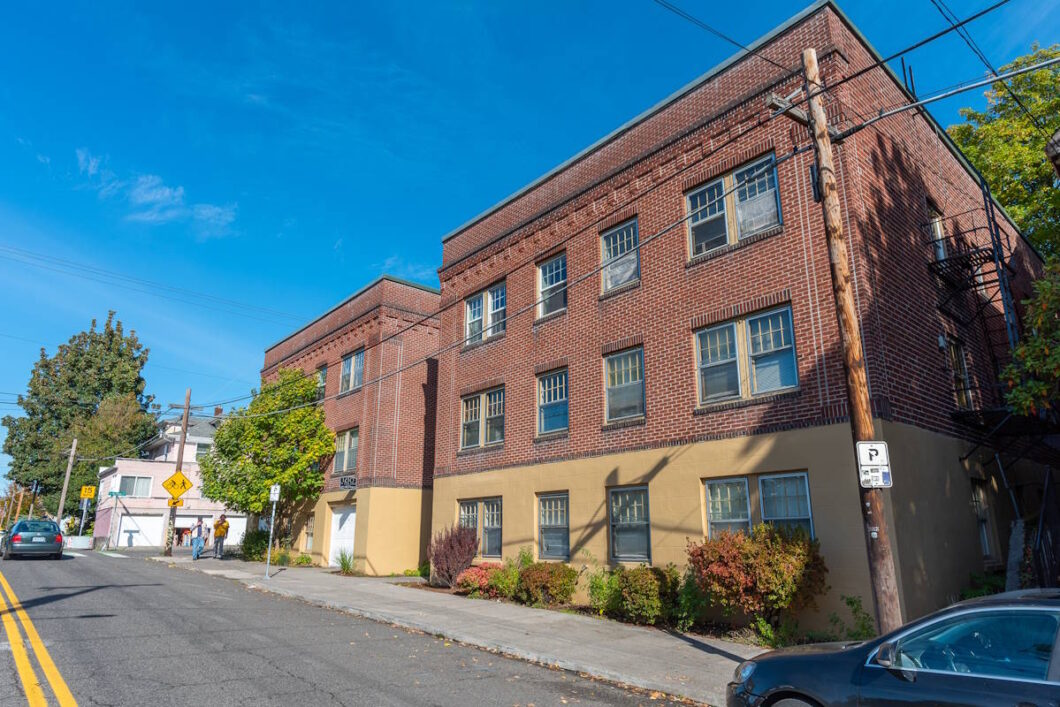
(343, 520)
(136, 530)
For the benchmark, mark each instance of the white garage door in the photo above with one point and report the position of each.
(140, 531)
(343, 520)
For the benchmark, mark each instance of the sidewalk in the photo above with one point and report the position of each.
(678, 664)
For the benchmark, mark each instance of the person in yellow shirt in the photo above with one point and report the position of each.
(220, 532)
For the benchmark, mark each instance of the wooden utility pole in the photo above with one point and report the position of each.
(66, 481)
(877, 538)
(21, 492)
(168, 551)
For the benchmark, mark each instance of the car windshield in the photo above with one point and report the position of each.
(36, 526)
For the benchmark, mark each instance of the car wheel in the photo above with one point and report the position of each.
(7, 553)
(59, 555)
(791, 702)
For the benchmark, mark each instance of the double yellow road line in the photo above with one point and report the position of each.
(10, 608)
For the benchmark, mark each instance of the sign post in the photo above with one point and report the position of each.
(274, 496)
(85, 502)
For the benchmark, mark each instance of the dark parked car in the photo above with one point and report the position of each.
(33, 537)
(998, 650)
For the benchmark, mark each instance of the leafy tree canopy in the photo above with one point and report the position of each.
(64, 393)
(269, 443)
(1009, 149)
(1034, 376)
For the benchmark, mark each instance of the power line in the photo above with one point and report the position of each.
(945, 11)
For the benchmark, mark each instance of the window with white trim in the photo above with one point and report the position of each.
(485, 314)
(489, 511)
(621, 255)
(624, 374)
(135, 486)
(719, 365)
(728, 506)
(322, 379)
(630, 526)
(938, 232)
(552, 404)
(553, 526)
(745, 358)
(352, 372)
(736, 205)
(552, 285)
(785, 500)
(772, 351)
(468, 517)
(482, 419)
(346, 444)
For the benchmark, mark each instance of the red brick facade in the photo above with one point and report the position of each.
(395, 323)
(887, 176)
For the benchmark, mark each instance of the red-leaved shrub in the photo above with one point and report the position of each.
(451, 552)
(546, 584)
(762, 574)
(476, 580)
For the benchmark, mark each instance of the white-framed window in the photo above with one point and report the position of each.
(322, 380)
(982, 515)
(202, 449)
(346, 444)
(621, 255)
(938, 232)
(352, 373)
(553, 526)
(785, 500)
(728, 506)
(135, 486)
(757, 197)
(771, 350)
(719, 363)
(489, 533)
(485, 314)
(708, 225)
(310, 525)
(630, 524)
(962, 382)
(552, 403)
(624, 374)
(478, 429)
(552, 285)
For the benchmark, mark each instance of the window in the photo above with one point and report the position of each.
(310, 525)
(982, 514)
(346, 444)
(352, 375)
(630, 535)
(322, 379)
(734, 206)
(552, 285)
(938, 232)
(476, 427)
(1010, 644)
(201, 450)
(490, 533)
(728, 506)
(485, 314)
(552, 411)
(962, 384)
(621, 255)
(719, 368)
(772, 351)
(491, 528)
(625, 384)
(553, 527)
(135, 486)
(786, 501)
(708, 226)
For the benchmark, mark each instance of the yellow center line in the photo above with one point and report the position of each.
(30, 683)
(58, 685)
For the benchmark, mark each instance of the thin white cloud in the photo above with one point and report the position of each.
(212, 220)
(44, 159)
(87, 163)
(399, 267)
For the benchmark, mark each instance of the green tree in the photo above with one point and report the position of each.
(117, 427)
(64, 391)
(1034, 376)
(280, 438)
(1009, 149)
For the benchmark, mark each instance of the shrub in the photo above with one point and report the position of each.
(282, 558)
(475, 581)
(765, 574)
(346, 563)
(692, 603)
(304, 560)
(423, 570)
(451, 552)
(863, 626)
(603, 591)
(984, 585)
(255, 544)
(505, 580)
(546, 584)
(647, 595)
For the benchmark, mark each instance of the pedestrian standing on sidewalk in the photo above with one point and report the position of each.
(197, 539)
(220, 532)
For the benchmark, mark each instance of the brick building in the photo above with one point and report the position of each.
(376, 500)
(626, 385)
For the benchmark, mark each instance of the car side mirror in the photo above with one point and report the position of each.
(885, 655)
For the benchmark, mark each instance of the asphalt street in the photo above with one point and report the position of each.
(125, 631)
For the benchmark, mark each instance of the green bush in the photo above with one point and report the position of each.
(647, 595)
(546, 584)
(346, 562)
(255, 544)
(983, 585)
(692, 603)
(504, 582)
(423, 570)
(603, 591)
(282, 558)
(304, 560)
(863, 625)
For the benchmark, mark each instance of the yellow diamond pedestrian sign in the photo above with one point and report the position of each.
(177, 485)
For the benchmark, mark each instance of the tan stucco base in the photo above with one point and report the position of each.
(391, 528)
(936, 538)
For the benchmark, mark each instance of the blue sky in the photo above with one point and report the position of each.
(284, 155)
